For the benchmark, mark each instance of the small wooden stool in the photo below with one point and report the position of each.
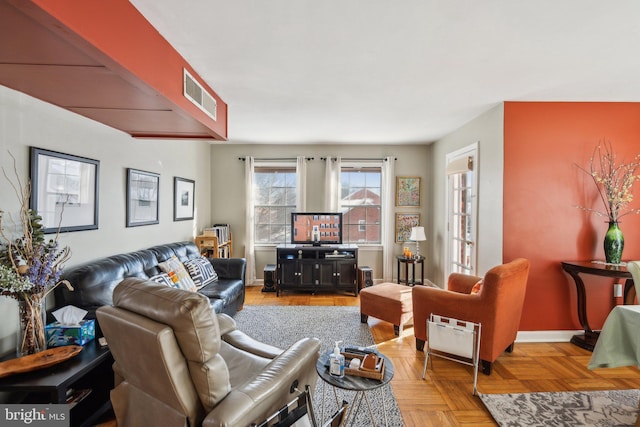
(390, 302)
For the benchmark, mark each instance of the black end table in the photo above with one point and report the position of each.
(90, 370)
(410, 261)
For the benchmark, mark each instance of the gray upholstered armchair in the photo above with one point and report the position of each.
(178, 363)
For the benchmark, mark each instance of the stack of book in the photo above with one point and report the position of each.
(221, 231)
(223, 234)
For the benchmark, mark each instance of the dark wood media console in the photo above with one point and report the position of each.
(317, 268)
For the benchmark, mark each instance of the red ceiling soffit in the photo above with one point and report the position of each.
(105, 61)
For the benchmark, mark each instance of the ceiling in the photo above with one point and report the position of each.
(412, 71)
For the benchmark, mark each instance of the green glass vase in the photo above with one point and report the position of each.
(613, 243)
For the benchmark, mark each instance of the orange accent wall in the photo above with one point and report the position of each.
(543, 142)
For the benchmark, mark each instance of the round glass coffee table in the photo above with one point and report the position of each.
(359, 385)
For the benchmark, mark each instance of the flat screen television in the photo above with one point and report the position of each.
(316, 228)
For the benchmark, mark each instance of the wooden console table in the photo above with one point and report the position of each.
(575, 268)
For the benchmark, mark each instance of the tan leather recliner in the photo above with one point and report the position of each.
(178, 363)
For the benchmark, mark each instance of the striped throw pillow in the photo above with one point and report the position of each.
(177, 273)
(162, 279)
(201, 271)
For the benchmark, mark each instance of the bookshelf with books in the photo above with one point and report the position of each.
(216, 241)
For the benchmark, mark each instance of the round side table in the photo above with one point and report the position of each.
(410, 262)
(360, 385)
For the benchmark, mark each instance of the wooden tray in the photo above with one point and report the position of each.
(376, 375)
(41, 360)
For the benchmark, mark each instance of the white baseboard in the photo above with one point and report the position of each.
(546, 336)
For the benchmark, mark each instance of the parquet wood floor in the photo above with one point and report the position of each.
(444, 397)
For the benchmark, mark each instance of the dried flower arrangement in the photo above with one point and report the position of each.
(614, 181)
(30, 266)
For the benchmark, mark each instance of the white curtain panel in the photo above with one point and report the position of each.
(249, 251)
(301, 179)
(332, 184)
(388, 218)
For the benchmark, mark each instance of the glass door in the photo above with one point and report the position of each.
(461, 211)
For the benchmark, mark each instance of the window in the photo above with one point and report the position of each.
(360, 203)
(275, 199)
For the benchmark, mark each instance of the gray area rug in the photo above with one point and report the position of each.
(587, 408)
(282, 326)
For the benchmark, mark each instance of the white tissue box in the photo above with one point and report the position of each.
(59, 335)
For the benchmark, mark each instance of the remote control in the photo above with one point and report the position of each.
(360, 350)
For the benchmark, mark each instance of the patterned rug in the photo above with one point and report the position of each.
(583, 408)
(283, 325)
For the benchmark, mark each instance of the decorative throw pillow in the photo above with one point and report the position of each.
(477, 287)
(177, 273)
(162, 279)
(201, 271)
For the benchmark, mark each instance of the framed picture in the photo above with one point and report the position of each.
(407, 191)
(142, 197)
(404, 223)
(64, 190)
(183, 198)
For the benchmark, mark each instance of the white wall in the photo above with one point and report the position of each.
(488, 131)
(25, 122)
(227, 176)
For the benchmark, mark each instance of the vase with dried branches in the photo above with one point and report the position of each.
(30, 267)
(615, 182)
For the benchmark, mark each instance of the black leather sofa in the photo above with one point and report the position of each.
(94, 281)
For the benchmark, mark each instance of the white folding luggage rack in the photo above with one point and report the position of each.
(452, 337)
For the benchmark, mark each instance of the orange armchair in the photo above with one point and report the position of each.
(497, 306)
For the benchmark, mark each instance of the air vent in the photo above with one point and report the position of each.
(195, 93)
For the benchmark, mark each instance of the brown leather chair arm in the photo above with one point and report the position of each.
(226, 323)
(239, 339)
(462, 283)
(270, 389)
(244, 342)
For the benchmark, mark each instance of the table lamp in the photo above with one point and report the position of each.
(417, 235)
